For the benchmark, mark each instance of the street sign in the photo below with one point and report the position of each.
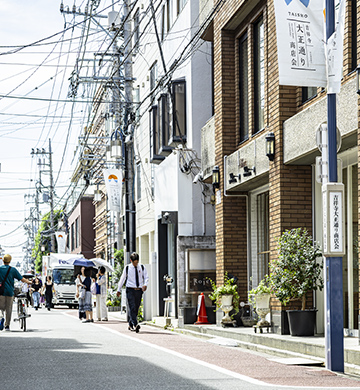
(333, 220)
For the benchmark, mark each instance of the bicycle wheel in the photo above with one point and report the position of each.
(19, 307)
(23, 324)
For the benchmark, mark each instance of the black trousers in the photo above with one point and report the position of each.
(134, 300)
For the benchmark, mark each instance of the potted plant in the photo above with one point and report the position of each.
(259, 297)
(226, 298)
(295, 273)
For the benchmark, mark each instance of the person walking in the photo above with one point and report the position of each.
(86, 283)
(8, 274)
(101, 291)
(49, 290)
(80, 278)
(35, 288)
(135, 278)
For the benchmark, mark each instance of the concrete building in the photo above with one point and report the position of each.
(174, 216)
(258, 199)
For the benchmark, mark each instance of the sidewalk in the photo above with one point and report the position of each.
(256, 368)
(281, 346)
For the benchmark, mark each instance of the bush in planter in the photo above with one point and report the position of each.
(228, 288)
(264, 287)
(296, 271)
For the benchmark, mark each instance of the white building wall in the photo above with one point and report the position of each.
(174, 190)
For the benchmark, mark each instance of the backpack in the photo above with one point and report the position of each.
(2, 284)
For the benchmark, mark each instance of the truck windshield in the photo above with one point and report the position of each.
(63, 276)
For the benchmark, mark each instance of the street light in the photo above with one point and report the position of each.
(115, 145)
(216, 177)
(270, 146)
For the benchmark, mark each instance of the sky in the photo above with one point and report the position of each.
(36, 62)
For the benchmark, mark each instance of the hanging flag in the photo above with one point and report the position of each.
(335, 51)
(300, 33)
(113, 183)
(61, 238)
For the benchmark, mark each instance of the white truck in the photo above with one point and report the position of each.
(62, 273)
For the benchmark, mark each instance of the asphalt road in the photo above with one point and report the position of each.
(60, 352)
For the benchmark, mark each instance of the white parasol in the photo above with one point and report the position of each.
(102, 263)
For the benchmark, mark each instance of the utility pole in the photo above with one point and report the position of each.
(52, 239)
(41, 163)
(129, 143)
(334, 323)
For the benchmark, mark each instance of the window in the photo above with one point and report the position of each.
(263, 235)
(244, 88)
(72, 236)
(169, 11)
(136, 29)
(259, 75)
(153, 76)
(155, 157)
(180, 5)
(353, 35)
(77, 233)
(178, 133)
(138, 182)
(163, 22)
(307, 93)
(164, 125)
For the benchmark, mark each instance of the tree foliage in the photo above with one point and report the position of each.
(44, 239)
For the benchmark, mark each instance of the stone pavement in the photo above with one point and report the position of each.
(218, 347)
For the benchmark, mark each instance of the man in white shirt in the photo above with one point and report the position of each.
(135, 278)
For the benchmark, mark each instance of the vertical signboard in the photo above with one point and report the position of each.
(334, 224)
(113, 183)
(300, 41)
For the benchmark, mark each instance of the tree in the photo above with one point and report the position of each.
(43, 238)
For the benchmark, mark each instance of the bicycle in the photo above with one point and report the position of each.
(22, 303)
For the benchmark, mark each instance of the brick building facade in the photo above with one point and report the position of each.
(258, 199)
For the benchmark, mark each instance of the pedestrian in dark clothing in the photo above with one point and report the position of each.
(135, 278)
(49, 290)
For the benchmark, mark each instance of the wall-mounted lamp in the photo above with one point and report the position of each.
(358, 79)
(216, 177)
(42, 248)
(270, 146)
(247, 171)
(232, 179)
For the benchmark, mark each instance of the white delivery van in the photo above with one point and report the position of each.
(62, 273)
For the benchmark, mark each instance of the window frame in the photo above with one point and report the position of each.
(163, 113)
(244, 133)
(178, 135)
(155, 157)
(259, 76)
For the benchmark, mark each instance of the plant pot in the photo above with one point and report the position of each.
(302, 322)
(226, 307)
(262, 308)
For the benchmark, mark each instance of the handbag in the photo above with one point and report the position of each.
(93, 288)
(42, 299)
(2, 284)
(82, 293)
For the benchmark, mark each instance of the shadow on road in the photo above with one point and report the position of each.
(58, 363)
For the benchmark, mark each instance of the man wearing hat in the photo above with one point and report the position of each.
(6, 300)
